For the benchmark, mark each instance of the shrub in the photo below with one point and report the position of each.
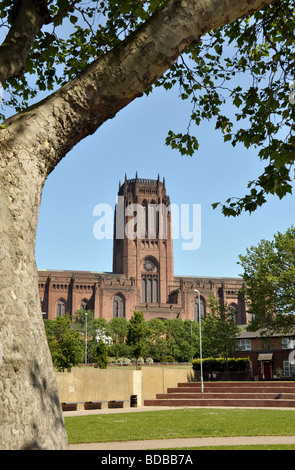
(168, 359)
(124, 361)
(112, 360)
(149, 360)
(101, 355)
(219, 364)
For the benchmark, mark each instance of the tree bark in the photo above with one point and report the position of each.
(31, 145)
(30, 412)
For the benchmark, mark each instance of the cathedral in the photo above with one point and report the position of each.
(143, 274)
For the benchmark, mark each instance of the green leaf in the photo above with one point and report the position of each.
(73, 19)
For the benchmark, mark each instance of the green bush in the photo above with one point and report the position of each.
(219, 364)
(101, 355)
(168, 359)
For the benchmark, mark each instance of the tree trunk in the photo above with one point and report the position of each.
(30, 411)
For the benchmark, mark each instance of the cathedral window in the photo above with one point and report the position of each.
(144, 219)
(84, 305)
(149, 220)
(118, 306)
(155, 289)
(143, 289)
(150, 282)
(149, 289)
(202, 308)
(234, 311)
(152, 219)
(61, 308)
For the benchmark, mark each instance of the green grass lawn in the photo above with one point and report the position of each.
(182, 423)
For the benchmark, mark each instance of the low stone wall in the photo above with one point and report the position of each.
(157, 380)
(87, 384)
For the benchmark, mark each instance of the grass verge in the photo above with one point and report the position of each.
(183, 423)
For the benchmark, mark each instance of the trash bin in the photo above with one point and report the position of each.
(133, 401)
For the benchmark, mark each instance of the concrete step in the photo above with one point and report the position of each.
(229, 389)
(251, 403)
(233, 394)
(290, 384)
(214, 395)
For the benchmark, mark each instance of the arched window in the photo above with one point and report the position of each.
(118, 306)
(143, 289)
(155, 289)
(84, 304)
(61, 308)
(150, 281)
(233, 307)
(202, 307)
(152, 220)
(143, 220)
(234, 311)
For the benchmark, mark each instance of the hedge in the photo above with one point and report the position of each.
(220, 364)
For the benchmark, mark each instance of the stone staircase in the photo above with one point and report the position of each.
(233, 394)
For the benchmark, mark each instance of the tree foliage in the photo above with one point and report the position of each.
(269, 274)
(101, 355)
(137, 336)
(97, 329)
(220, 330)
(171, 340)
(65, 343)
(216, 364)
(238, 76)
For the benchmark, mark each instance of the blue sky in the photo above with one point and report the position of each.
(135, 141)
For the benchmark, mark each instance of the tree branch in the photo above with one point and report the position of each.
(28, 17)
(60, 15)
(110, 83)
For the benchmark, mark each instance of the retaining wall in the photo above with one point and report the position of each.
(104, 385)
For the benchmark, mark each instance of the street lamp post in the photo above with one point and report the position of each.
(86, 339)
(200, 332)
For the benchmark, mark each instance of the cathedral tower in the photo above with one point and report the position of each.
(143, 247)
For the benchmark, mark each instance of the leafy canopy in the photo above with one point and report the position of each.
(238, 76)
(65, 343)
(269, 274)
(220, 329)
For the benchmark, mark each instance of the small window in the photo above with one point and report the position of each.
(243, 345)
(287, 343)
(266, 345)
(289, 369)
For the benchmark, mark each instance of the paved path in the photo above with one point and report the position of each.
(181, 443)
(172, 443)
